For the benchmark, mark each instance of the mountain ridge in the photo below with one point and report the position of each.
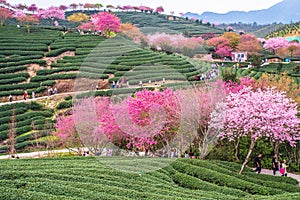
(283, 12)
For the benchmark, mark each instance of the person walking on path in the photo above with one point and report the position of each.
(257, 162)
(25, 95)
(10, 98)
(33, 95)
(283, 167)
(275, 164)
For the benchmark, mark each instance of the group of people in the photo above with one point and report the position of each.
(51, 91)
(276, 165)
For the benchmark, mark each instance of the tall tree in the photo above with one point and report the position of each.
(27, 19)
(4, 15)
(105, 22)
(274, 44)
(32, 8)
(250, 44)
(261, 114)
(73, 6)
(202, 116)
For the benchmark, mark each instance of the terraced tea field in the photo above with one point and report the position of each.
(89, 178)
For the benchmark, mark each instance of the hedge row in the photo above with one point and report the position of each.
(52, 71)
(220, 179)
(32, 105)
(19, 58)
(26, 116)
(24, 48)
(12, 80)
(12, 69)
(18, 86)
(23, 62)
(53, 77)
(11, 76)
(57, 52)
(252, 177)
(21, 53)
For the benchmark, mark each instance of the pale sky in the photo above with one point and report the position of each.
(196, 6)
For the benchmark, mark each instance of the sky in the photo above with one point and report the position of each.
(178, 6)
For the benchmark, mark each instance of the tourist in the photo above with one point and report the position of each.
(257, 162)
(49, 92)
(186, 154)
(191, 154)
(275, 164)
(10, 98)
(25, 95)
(283, 167)
(55, 90)
(140, 84)
(33, 95)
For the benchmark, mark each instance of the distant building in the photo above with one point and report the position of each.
(273, 59)
(239, 56)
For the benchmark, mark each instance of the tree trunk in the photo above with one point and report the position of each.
(248, 156)
(276, 147)
(236, 150)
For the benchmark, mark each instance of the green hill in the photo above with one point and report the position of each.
(89, 178)
(286, 30)
(152, 23)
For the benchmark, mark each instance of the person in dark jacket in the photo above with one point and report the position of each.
(257, 162)
(275, 164)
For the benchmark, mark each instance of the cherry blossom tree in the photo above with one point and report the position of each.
(215, 41)
(21, 6)
(32, 8)
(202, 116)
(144, 122)
(88, 6)
(159, 9)
(133, 32)
(4, 15)
(73, 6)
(127, 8)
(274, 44)
(27, 19)
(105, 22)
(81, 128)
(250, 44)
(223, 50)
(173, 43)
(51, 13)
(63, 7)
(261, 114)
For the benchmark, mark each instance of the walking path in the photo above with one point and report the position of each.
(69, 93)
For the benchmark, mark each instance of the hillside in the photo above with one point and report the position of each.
(288, 30)
(284, 12)
(48, 58)
(90, 178)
